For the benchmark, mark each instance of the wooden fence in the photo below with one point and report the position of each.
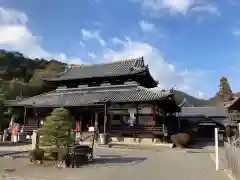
(233, 160)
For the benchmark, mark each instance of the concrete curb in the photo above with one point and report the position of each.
(13, 153)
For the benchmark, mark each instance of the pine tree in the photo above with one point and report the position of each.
(2, 99)
(56, 129)
(225, 91)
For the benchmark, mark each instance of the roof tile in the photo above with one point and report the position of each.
(118, 68)
(92, 95)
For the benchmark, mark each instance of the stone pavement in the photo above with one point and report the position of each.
(16, 148)
(116, 164)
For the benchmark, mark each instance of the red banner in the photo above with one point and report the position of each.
(78, 126)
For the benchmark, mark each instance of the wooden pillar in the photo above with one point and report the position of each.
(154, 121)
(96, 121)
(154, 115)
(80, 122)
(25, 114)
(105, 119)
(121, 125)
(91, 119)
(136, 123)
(179, 124)
(137, 115)
(165, 127)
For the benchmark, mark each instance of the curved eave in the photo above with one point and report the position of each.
(151, 79)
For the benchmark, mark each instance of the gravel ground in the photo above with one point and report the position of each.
(116, 164)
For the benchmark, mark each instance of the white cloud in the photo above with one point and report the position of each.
(236, 32)
(92, 55)
(207, 8)
(70, 60)
(167, 74)
(10, 16)
(116, 41)
(201, 95)
(82, 44)
(16, 36)
(87, 35)
(147, 26)
(176, 6)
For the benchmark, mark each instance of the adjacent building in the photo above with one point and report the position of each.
(203, 120)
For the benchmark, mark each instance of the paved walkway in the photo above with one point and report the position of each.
(115, 164)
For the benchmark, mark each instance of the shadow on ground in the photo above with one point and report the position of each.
(117, 160)
(206, 145)
(100, 159)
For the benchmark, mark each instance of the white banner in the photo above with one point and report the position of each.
(132, 118)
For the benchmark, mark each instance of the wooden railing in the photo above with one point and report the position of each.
(232, 160)
(30, 128)
(138, 130)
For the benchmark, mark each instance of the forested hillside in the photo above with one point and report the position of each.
(192, 100)
(20, 76)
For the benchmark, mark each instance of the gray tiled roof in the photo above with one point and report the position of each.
(210, 111)
(91, 95)
(118, 68)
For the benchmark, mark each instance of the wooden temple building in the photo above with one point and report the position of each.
(233, 106)
(114, 97)
(203, 120)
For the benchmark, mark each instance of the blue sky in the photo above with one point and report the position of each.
(188, 44)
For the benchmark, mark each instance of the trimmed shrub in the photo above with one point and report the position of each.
(56, 129)
(181, 140)
(36, 155)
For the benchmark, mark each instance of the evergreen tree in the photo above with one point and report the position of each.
(3, 121)
(225, 91)
(56, 129)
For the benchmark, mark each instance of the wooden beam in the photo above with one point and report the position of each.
(25, 114)
(137, 114)
(105, 118)
(154, 121)
(154, 114)
(96, 122)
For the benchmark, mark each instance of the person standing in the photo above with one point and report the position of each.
(15, 130)
(73, 136)
(79, 129)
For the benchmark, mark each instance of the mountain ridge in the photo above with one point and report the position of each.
(194, 101)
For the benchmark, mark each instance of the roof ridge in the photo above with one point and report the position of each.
(98, 87)
(109, 63)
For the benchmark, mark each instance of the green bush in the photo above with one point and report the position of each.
(56, 129)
